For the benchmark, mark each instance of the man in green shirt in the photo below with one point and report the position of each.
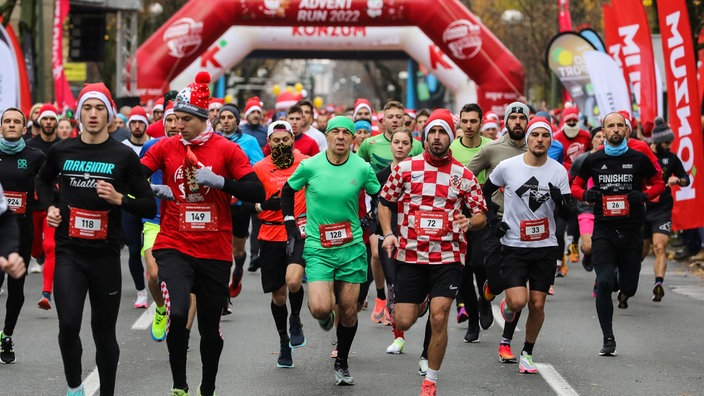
(377, 149)
(335, 255)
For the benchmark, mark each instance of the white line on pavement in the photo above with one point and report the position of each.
(556, 381)
(91, 384)
(145, 320)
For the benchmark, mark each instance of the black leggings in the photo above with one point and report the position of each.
(132, 235)
(15, 287)
(179, 276)
(101, 279)
(388, 265)
(474, 268)
(613, 248)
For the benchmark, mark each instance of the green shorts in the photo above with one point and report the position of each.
(346, 264)
(149, 231)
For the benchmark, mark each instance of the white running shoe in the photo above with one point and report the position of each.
(34, 268)
(141, 299)
(396, 347)
(423, 366)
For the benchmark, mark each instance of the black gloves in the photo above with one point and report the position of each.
(273, 203)
(498, 227)
(637, 197)
(555, 193)
(293, 234)
(592, 195)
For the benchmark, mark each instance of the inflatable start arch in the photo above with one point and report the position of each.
(442, 35)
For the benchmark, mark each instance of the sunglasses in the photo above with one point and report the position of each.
(408, 123)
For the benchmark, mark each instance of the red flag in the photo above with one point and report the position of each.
(613, 43)
(683, 105)
(62, 91)
(564, 19)
(637, 49)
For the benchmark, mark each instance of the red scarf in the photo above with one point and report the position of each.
(435, 161)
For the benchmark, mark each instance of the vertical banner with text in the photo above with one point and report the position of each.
(684, 114)
(62, 91)
(637, 49)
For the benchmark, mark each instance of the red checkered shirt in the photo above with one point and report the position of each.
(419, 187)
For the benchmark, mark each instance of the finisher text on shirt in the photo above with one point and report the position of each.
(88, 166)
(616, 178)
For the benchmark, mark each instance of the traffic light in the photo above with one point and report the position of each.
(86, 37)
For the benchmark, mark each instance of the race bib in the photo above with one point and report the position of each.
(197, 217)
(337, 234)
(534, 230)
(431, 223)
(16, 201)
(88, 224)
(301, 223)
(615, 205)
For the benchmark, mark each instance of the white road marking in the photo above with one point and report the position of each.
(144, 321)
(91, 384)
(694, 291)
(556, 381)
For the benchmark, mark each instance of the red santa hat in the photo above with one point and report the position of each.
(287, 99)
(627, 116)
(538, 122)
(489, 123)
(360, 104)
(215, 103)
(570, 113)
(253, 104)
(96, 91)
(158, 105)
(492, 116)
(442, 118)
(168, 111)
(195, 97)
(138, 114)
(411, 113)
(48, 110)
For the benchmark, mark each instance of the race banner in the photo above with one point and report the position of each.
(637, 49)
(9, 93)
(613, 45)
(564, 19)
(564, 57)
(684, 111)
(62, 91)
(593, 37)
(609, 86)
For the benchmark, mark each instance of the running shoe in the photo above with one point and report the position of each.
(574, 252)
(45, 302)
(200, 394)
(486, 292)
(7, 349)
(378, 313)
(141, 299)
(551, 290)
(472, 334)
(609, 348)
(428, 388)
(423, 366)
(505, 354)
(486, 316)
(179, 392)
(298, 339)
(236, 285)
(78, 392)
(506, 312)
(658, 292)
(587, 263)
(526, 366)
(227, 310)
(34, 268)
(462, 314)
(396, 347)
(594, 290)
(333, 354)
(342, 374)
(159, 326)
(329, 323)
(285, 358)
(622, 300)
(387, 317)
(253, 264)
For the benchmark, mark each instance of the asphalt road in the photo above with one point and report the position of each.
(659, 349)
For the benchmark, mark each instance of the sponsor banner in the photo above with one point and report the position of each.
(564, 19)
(9, 93)
(684, 111)
(638, 61)
(62, 91)
(565, 59)
(613, 43)
(594, 39)
(608, 83)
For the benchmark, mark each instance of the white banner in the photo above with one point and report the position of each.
(607, 81)
(9, 85)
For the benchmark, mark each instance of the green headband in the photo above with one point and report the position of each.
(340, 122)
